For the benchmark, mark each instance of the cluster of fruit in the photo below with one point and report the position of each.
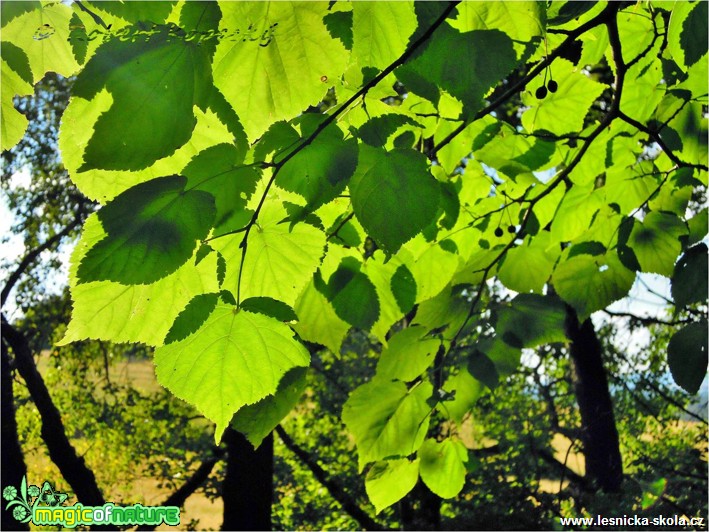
(510, 229)
(541, 92)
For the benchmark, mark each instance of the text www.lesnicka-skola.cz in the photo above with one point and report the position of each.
(633, 520)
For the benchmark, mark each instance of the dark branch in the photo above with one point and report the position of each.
(72, 466)
(646, 320)
(28, 259)
(599, 19)
(179, 496)
(654, 135)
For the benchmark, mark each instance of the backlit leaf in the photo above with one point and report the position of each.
(258, 420)
(563, 111)
(656, 243)
(106, 310)
(407, 355)
(442, 466)
(386, 419)
(381, 31)
(283, 60)
(235, 359)
(154, 83)
(393, 195)
(389, 481)
(152, 229)
(590, 283)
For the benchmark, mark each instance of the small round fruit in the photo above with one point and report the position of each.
(540, 93)
(511, 229)
(499, 232)
(552, 85)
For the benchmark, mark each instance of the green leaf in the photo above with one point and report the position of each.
(387, 419)
(152, 229)
(562, 12)
(258, 420)
(218, 171)
(154, 83)
(235, 359)
(381, 31)
(693, 38)
(442, 466)
(78, 38)
(393, 195)
(10, 10)
(318, 321)
(465, 390)
(492, 360)
(563, 111)
(590, 283)
(652, 492)
(353, 296)
(376, 131)
(687, 356)
(339, 24)
(481, 59)
(408, 354)
(521, 21)
(575, 213)
(511, 153)
(433, 270)
(106, 310)
(17, 60)
(527, 267)
(279, 262)
(192, 317)
(43, 34)
(321, 170)
(689, 279)
(381, 271)
(403, 286)
(698, 227)
(530, 320)
(285, 61)
(139, 10)
(13, 124)
(103, 185)
(656, 242)
(389, 481)
(269, 307)
(151, 119)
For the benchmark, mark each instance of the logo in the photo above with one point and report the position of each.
(45, 506)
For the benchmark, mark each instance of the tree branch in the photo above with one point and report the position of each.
(28, 259)
(179, 496)
(654, 135)
(522, 83)
(348, 504)
(72, 466)
(645, 320)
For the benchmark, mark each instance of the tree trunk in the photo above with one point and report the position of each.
(421, 509)
(604, 466)
(247, 489)
(13, 461)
